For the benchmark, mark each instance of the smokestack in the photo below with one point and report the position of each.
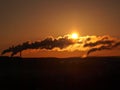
(20, 53)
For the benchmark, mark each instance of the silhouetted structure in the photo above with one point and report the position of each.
(20, 54)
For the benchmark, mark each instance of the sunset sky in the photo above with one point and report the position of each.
(32, 20)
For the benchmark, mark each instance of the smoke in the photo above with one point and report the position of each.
(83, 43)
(48, 43)
(103, 43)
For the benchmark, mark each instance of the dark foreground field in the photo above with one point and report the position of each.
(98, 73)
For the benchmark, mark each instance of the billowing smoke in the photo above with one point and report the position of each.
(83, 43)
(48, 43)
(103, 43)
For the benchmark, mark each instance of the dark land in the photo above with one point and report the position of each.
(98, 73)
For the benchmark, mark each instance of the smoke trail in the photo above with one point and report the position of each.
(48, 43)
(105, 43)
(82, 43)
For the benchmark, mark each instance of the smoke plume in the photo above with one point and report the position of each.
(83, 43)
(103, 43)
(48, 43)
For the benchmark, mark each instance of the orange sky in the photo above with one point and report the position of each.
(33, 20)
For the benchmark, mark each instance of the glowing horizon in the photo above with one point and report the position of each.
(70, 42)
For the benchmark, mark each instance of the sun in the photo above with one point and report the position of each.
(74, 36)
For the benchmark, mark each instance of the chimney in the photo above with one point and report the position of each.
(20, 54)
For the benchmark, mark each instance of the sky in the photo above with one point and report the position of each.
(31, 20)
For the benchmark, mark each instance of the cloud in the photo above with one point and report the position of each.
(66, 43)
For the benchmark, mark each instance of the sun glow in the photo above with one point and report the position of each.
(74, 36)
